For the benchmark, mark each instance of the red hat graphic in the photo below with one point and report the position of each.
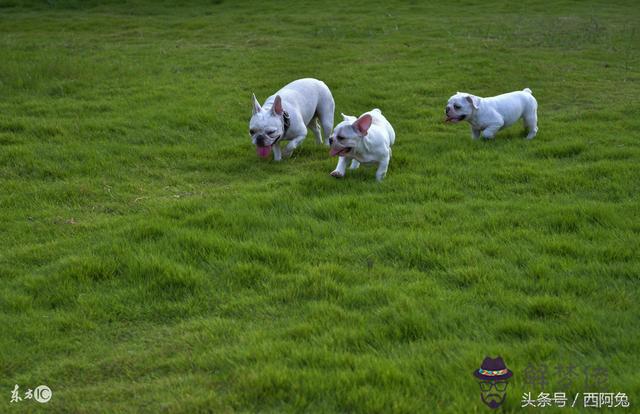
(493, 369)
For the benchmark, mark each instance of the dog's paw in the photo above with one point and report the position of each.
(287, 151)
(337, 174)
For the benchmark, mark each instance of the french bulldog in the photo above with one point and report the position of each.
(366, 139)
(489, 115)
(286, 116)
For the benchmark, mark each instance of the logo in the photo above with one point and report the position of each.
(493, 378)
(42, 394)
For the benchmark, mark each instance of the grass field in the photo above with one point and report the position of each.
(150, 262)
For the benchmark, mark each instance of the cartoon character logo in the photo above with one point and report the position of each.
(493, 375)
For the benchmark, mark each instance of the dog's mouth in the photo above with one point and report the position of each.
(454, 119)
(264, 150)
(340, 151)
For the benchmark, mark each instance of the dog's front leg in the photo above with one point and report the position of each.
(490, 131)
(277, 155)
(354, 164)
(293, 144)
(340, 168)
(382, 168)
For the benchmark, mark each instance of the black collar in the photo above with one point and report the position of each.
(287, 122)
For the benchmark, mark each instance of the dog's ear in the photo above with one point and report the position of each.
(277, 106)
(474, 101)
(256, 105)
(362, 124)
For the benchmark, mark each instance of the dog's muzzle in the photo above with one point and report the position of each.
(265, 141)
(454, 119)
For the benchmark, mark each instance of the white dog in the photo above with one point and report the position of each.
(286, 116)
(367, 139)
(489, 115)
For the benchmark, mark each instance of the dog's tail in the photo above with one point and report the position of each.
(527, 90)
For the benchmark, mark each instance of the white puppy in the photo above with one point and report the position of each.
(489, 115)
(286, 116)
(367, 139)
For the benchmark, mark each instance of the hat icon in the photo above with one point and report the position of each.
(493, 369)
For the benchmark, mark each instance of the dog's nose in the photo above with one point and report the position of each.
(260, 140)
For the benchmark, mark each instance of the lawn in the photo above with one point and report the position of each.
(150, 262)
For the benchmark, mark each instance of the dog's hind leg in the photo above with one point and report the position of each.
(325, 115)
(314, 126)
(382, 168)
(531, 124)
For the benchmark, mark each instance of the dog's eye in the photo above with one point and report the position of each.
(272, 132)
(252, 131)
(340, 138)
(456, 107)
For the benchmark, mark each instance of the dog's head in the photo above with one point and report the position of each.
(348, 134)
(266, 126)
(461, 106)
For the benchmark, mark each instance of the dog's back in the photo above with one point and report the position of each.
(528, 96)
(380, 121)
(305, 92)
(312, 98)
(524, 96)
(513, 105)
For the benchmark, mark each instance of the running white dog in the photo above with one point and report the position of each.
(285, 117)
(489, 115)
(367, 139)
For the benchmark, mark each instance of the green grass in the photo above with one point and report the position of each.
(150, 262)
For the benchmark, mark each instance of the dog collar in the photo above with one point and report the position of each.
(286, 121)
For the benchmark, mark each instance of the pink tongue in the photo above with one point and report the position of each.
(264, 151)
(335, 151)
